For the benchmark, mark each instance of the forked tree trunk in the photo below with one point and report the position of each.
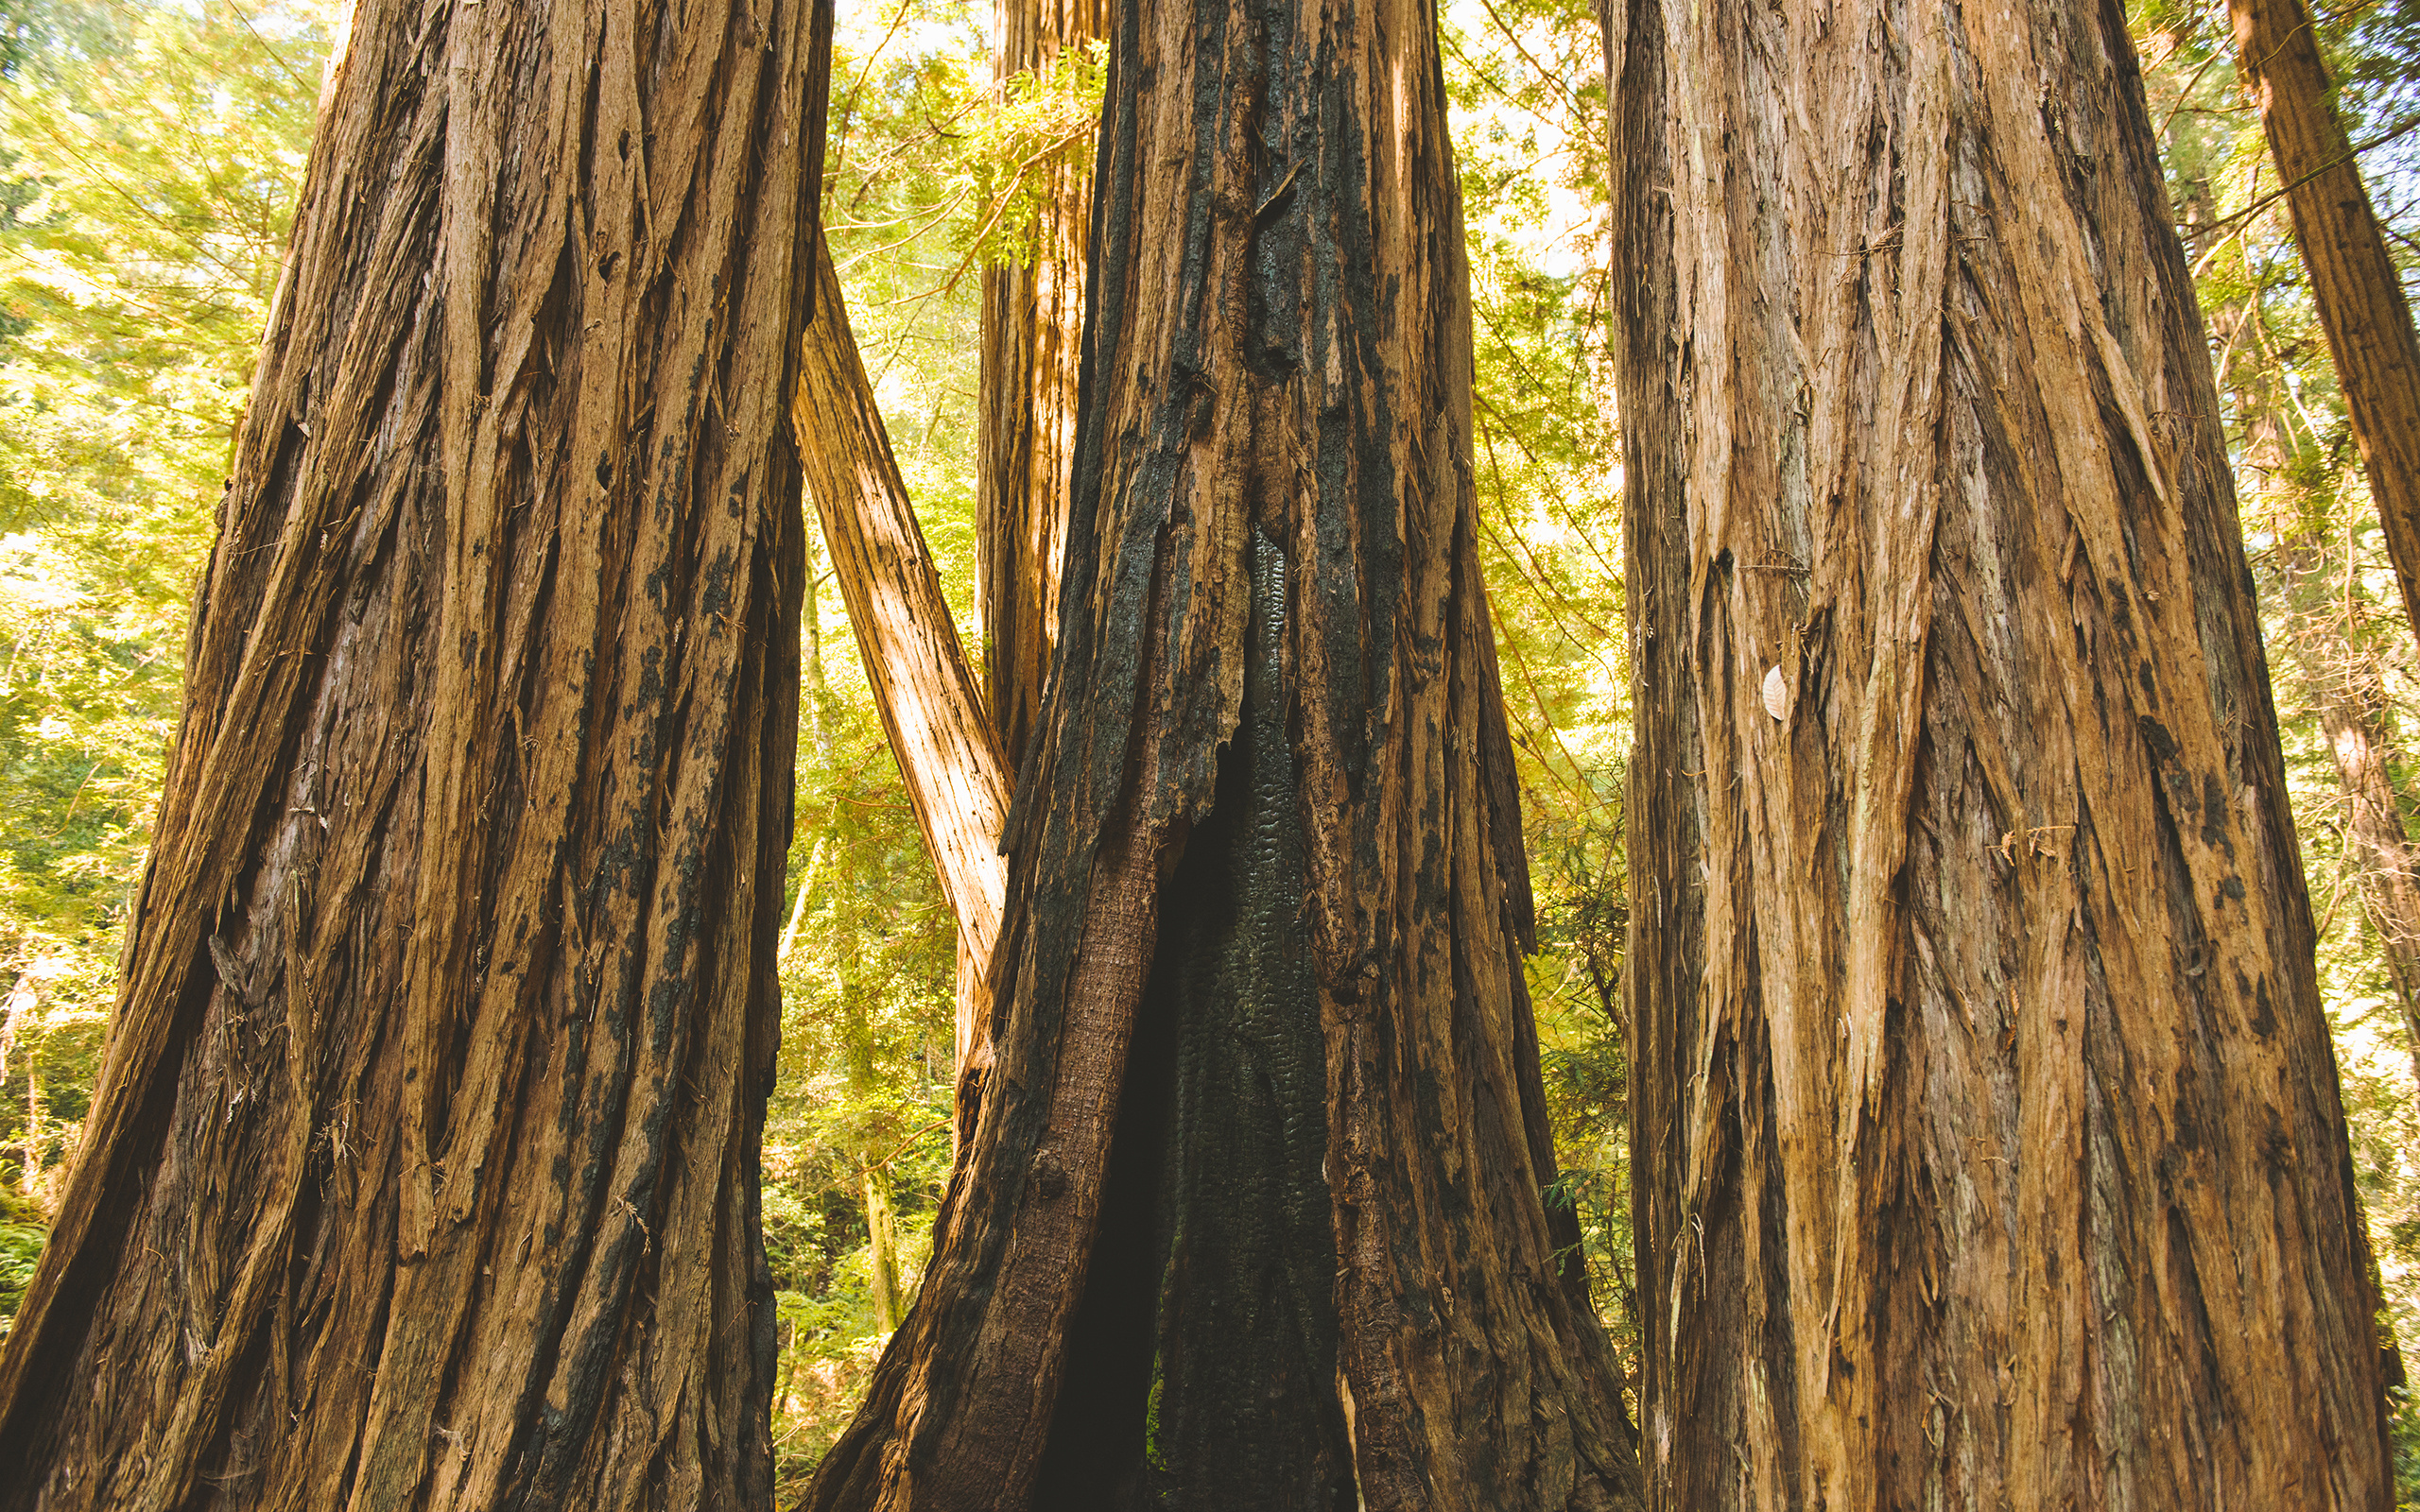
(423, 1168)
(1989, 1148)
(2354, 283)
(1252, 1215)
(928, 698)
(1032, 315)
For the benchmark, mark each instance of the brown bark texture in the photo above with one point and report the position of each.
(1032, 315)
(928, 694)
(1989, 1146)
(2353, 281)
(1253, 1215)
(421, 1172)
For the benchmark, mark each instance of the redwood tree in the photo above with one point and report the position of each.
(1252, 1215)
(2355, 286)
(1989, 1143)
(1032, 311)
(423, 1168)
(925, 691)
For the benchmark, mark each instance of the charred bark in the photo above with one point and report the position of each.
(930, 703)
(1032, 312)
(1265, 1144)
(423, 1168)
(1990, 1147)
(2353, 280)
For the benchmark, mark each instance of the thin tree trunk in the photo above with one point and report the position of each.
(421, 1172)
(927, 695)
(2353, 280)
(2344, 690)
(2351, 719)
(1990, 1150)
(850, 996)
(882, 1246)
(1032, 314)
(1252, 1216)
(29, 1180)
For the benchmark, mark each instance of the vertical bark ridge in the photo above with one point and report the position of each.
(1988, 1132)
(422, 1166)
(1032, 315)
(1277, 340)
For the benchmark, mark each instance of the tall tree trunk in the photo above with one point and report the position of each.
(1032, 312)
(927, 695)
(1990, 1146)
(2353, 280)
(421, 1172)
(1252, 1216)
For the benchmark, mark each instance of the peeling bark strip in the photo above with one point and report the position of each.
(1032, 313)
(1989, 1148)
(931, 706)
(1278, 341)
(422, 1168)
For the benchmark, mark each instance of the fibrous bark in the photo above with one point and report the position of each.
(2354, 283)
(928, 698)
(1989, 1148)
(1032, 312)
(423, 1168)
(1253, 1214)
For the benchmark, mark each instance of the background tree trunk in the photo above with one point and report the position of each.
(2353, 721)
(2353, 281)
(1032, 315)
(1252, 1216)
(422, 1168)
(2341, 682)
(930, 702)
(1990, 1147)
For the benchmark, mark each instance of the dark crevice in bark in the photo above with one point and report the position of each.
(1202, 1358)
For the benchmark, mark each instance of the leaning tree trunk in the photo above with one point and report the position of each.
(423, 1168)
(927, 695)
(2354, 283)
(1989, 1148)
(1252, 1215)
(1032, 312)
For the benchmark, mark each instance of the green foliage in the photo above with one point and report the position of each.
(20, 1246)
(1526, 83)
(151, 156)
